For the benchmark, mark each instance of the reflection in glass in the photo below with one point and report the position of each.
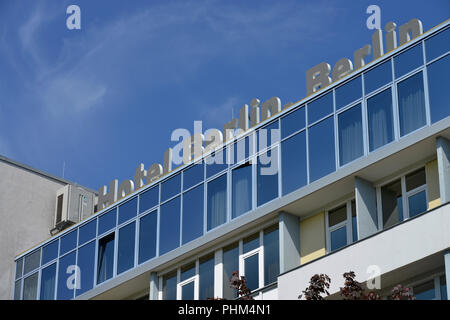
(268, 135)
(251, 265)
(48, 282)
(438, 88)
(192, 176)
(320, 108)
(68, 242)
(170, 286)
(350, 135)
(86, 260)
(169, 226)
(377, 77)
(230, 264)
(242, 189)
(125, 254)
(192, 214)
(87, 232)
(417, 203)
(50, 252)
(408, 60)
(271, 255)
(338, 238)
(293, 162)
(63, 292)
(251, 243)
(206, 279)
(217, 202)
(293, 122)
(30, 285)
(32, 261)
(148, 199)
(267, 176)
(379, 112)
(438, 44)
(107, 221)
(187, 291)
(147, 236)
(321, 149)
(170, 187)
(128, 210)
(348, 92)
(411, 104)
(215, 163)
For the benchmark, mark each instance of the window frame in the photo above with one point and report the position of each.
(436, 277)
(347, 223)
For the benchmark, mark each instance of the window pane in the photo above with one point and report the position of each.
(381, 126)
(251, 243)
(411, 103)
(128, 210)
(438, 44)
(319, 108)
(50, 252)
(30, 285)
(206, 271)
(417, 203)
(391, 198)
(125, 254)
(438, 88)
(268, 135)
(354, 222)
(17, 289)
(216, 163)
(425, 291)
(251, 265)
(192, 176)
(293, 162)
(336, 216)
(105, 262)
(230, 264)
(350, 135)
(187, 291)
(148, 199)
(378, 76)
(48, 282)
(267, 176)
(87, 232)
(443, 285)
(147, 236)
(415, 179)
(241, 150)
(217, 202)
(68, 242)
(242, 189)
(192, 214)
(187, 271)
(338, 238)
(408, 60)
(271, 255)
(169, 226)
(348, 92)
(293, 122)
(170, 287)
(32, 261)
(170, 187)
(65, 270)
(107, 221)
(321, 149)
(86, 261)
(19, 267)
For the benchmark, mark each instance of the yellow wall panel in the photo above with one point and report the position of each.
(312, 238)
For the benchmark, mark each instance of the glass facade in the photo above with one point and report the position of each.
(376, 107)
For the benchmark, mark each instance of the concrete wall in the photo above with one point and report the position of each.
(312, 238)
(27, 205)
(431, 169)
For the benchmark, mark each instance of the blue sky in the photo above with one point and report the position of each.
(107, 97)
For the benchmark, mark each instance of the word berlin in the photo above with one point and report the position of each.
(317, 78)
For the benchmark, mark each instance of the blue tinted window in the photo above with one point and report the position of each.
(378, 76)
(216, 163)
(408, 60)
(147, 236)
(86, 261)
(187, 291)
(293, 162)
(438, 44)
(411, 104)
(350, 135)
(443, 286)
(48, 282)
(321, 149)
(87, 232)
(250, 243)
(242, 189)
(171, 187)
(107, 221)
(425, 291)
(63, 292)
(206, 278)
(338, 238)
(193, 214)
(50, 252)
(230, 264)
(268, 135)
(438, 88)
(267, 176)
(68, 242)
(192, 176)
(417, 203)
(241, 150)
(128, 210)
(379, 113)
(187, 272)
(32, 261)
(217, 202)
(251, 265)
(348, 92)
(170, 287)
(320, 108)
(125, 254)
(293, 122)
(148, 199)
(105, 263)
(271, 255)
(169, 226)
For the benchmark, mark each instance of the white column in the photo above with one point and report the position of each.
(443, 160)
